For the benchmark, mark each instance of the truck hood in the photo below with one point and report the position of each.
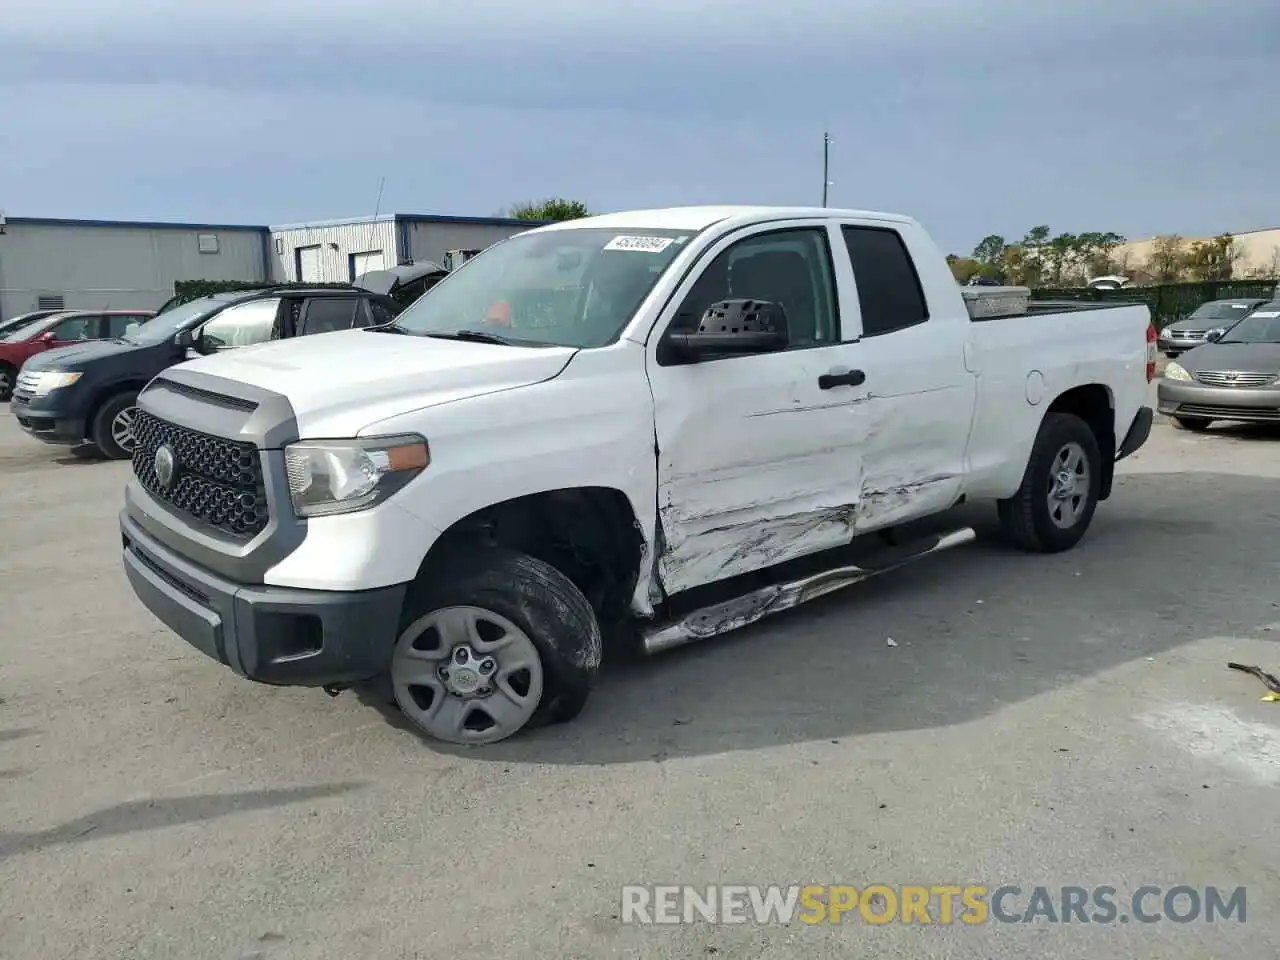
(338, 383)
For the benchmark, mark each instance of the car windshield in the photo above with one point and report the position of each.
(29, 330)
(1261, 326)
(570, 287)
(1222, 310)
(165, 325)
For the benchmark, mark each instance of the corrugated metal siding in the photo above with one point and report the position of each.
(337, 243)
(430, 241)
(106, 266)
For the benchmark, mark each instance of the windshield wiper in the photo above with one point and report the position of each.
(389, 327)
(474, 336)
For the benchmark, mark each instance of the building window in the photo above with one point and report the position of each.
(208, 242)
(50, 301)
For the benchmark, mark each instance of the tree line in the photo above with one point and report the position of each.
(1043, 259)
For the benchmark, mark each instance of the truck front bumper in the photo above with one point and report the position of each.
(1181, 398)
(275, 635)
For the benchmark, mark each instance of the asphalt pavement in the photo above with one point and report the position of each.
(1036, 721)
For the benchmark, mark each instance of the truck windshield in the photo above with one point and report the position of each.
(165, 325)
(572, 287)
(1221, 310)
(29, 330)
(1260, 327)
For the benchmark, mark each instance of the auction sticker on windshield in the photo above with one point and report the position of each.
(640, 244)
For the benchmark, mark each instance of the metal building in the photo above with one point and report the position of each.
(338, 251)
(103, 264)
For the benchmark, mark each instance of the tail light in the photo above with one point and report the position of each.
(1151, 352)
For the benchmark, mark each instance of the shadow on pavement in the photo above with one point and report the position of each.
(139, 815)
(17, 733)
(1170, 559)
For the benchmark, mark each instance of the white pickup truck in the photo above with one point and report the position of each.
(657, 424)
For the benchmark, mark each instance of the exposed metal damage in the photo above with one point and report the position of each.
(736, 613)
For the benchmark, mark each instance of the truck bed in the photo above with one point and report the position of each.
(1037, 307)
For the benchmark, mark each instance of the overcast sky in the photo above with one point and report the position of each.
(1138, 116)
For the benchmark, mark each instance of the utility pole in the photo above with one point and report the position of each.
(826, 166)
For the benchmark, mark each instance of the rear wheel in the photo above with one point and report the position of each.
(1194, 424)
(112, 428)
(1055, 504)
(496, 643)
(7, 377)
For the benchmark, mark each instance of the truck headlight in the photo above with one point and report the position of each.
(1175, 371)
(343, 476)
(45, 381)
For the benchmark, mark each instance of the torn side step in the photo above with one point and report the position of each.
(732, 614)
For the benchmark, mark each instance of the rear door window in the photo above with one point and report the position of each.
(889, 290)
(326, 314)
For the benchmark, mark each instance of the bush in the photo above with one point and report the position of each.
(1169, 301)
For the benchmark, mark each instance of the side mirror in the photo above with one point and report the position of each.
(735, 326)
(1214, 335)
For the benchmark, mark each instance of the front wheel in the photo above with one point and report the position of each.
(499, 642)
(111, 430)
(1059, 493)
(1194, 424)
(7, 377)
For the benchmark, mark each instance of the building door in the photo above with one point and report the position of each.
(362, 263)
(308, 263)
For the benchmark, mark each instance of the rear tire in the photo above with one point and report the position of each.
(519, 616)
(1054, 506)
(8, 375)
(1194, 424)
(111, 430)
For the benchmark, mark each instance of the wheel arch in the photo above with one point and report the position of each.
(592, 534)
(1094, 403)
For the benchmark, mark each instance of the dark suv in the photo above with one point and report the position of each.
(83, 396)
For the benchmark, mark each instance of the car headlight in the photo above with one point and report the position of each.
(343, 476)
(42, 383)
(1167, 332)
(1175, 371)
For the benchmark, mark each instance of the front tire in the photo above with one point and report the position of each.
(8, 376)
(1054, 506)
(495, 643)
(111, 430)
(1194, 424)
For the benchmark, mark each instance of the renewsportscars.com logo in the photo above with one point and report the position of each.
(928, 904)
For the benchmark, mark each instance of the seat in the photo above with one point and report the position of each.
(781, 276)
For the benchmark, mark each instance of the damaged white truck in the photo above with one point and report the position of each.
(657, 424)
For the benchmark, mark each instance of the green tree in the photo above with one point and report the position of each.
(1167, 259)
(555, 208)
(989, 249)
(962, 268)
(1213, 259)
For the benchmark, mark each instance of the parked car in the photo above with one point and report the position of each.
(1234, 376)
(669, 423)
(1182, 335)
(85, 394)
(59, 330)
(21, 320)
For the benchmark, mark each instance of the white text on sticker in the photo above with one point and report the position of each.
(1271, 314)
(639, 244)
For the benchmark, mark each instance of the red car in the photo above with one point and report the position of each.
(61, 330)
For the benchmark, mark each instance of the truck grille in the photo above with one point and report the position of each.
(214, 480)
(1231, 378)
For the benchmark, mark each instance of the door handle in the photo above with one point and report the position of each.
(850, 378)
